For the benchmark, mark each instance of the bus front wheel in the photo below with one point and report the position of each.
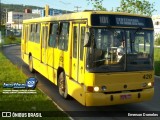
(62, 85)
(31, 64)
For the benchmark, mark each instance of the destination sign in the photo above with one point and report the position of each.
(130, 21)
(120, 20)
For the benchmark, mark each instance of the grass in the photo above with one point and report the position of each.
(22, 102)
(11, 40)
(157, 61)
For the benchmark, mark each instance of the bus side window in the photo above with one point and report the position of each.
(32, 30)
(44, 36)
(37, 33)
(53, 36)
(82, 42)
(23, 27)
(75, 30)
(64, 35)
(27, 32)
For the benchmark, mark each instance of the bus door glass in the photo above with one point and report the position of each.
(75, 51)
(44, 43)
(81, 52)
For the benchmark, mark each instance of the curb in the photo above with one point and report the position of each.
(156, 76)
(57, 105)
(11, 44)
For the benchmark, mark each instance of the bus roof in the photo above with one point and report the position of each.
(78, 15)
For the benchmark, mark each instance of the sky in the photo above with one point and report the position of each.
(70, 4)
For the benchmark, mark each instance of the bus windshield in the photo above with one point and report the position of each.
(114, 50)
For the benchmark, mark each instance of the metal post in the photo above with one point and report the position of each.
(0, 23)
(6, 16)
(0, 15)
(18, 21)
(77, 8)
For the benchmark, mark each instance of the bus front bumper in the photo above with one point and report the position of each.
(102, 99)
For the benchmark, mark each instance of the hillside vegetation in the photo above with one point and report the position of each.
(18, 8)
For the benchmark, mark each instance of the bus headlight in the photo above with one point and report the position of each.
(104, 88)
(144, 84)
(150, 84)
(96, 89)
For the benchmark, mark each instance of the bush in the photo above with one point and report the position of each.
(12, 38)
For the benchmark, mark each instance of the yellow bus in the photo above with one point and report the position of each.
(99, 58)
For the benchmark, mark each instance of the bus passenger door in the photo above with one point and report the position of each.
(75, 35)
(77, 54)
(44, 43)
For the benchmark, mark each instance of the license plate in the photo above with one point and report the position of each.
(125, 97)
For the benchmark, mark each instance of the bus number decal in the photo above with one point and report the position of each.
(103, 19)
(147, 76)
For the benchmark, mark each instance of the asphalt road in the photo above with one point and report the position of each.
(82, 112)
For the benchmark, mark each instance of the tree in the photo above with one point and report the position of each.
(97, 4)
(136, 7)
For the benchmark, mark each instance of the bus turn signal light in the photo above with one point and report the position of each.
(89, 88)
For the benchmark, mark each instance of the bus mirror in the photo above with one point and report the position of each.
(122, 36)
(132, 39)
(146, 37)
(86, 39)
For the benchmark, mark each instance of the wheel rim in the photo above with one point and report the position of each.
(62, 83)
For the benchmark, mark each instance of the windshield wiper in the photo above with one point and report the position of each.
(100, 60)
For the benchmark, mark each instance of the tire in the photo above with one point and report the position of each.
(62, 85)
(31, 64)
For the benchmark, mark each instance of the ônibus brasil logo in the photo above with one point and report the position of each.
(30, 84)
